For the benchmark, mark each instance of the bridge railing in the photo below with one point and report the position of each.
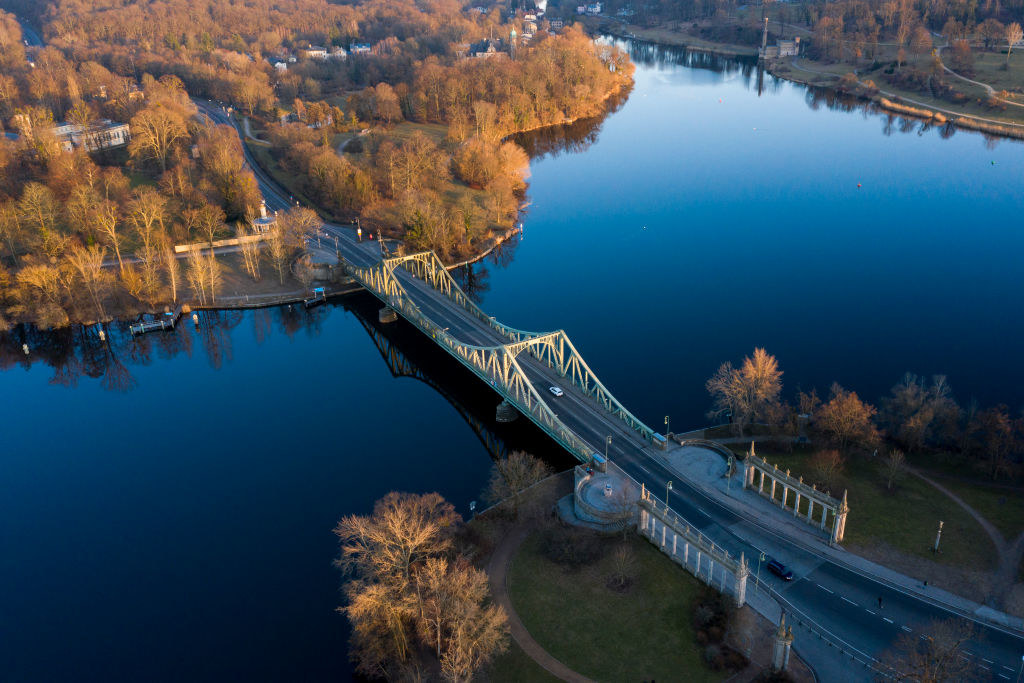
(492, 364)
(555, 349)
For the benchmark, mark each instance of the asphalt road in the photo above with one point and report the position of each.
(842, 601)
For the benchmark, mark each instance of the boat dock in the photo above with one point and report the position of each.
(164, 321)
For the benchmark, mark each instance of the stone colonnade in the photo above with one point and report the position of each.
(687, 546)
(768, 478)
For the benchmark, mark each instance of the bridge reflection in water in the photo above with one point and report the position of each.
(407, 353)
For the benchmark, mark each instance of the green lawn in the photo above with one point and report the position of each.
(642, 634)
(1003, 507)
(514, 667)
(906, 517)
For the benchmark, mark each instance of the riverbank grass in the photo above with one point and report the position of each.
(641, 633)
(904, 518)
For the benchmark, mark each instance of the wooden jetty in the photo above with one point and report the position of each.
(319, 297)
(164, 321)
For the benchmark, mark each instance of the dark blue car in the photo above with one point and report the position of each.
(779, 569)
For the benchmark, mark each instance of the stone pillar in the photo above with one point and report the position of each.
(796, 505)
(697, 571)
(742, 572)
(824, 516)
(810, 509)
(773, 489)
(505, 412)
(711, 570)
(781, 646)
(664, 530)
(840, 525)
(760, 485)
(643, 519)
(785, 495)
(686, 552)
(675, 538)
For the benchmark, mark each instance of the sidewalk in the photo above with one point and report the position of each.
(704, 469)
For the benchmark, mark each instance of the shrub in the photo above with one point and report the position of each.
(571, 548)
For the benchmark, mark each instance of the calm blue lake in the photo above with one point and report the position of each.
(166, 504)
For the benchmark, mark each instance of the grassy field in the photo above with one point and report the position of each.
(644, 633)
(514, 667)
(905, 518)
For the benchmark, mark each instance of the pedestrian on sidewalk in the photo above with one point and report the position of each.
(879, 602)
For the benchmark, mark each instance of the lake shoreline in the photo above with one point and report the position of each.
(890, 102)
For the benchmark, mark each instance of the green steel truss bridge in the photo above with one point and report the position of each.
(500, 364)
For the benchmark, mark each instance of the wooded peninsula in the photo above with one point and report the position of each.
(395, 113)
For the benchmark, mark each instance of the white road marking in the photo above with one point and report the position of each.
(987, 660)
(1007, 668)
(1004, 676)
(984, 667)
(905, 629)
(968, 652)
(849, 601)
(887, 619)
(868, 611)
(644, 469)
(822, 588)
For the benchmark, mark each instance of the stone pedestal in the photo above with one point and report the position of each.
(505, 412)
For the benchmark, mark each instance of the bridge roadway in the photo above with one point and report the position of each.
(838, 599)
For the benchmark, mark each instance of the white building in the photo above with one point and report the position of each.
(105, 134)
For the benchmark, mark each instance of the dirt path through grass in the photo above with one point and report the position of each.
(1010, 554)
(497, 571)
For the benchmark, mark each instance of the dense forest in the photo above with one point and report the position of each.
(376, 110)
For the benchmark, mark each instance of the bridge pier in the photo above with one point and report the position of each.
(505, 412)
(387, 315)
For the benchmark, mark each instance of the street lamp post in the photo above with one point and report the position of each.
(668, 488)
(607, 442)
(728, 477)
(668, 428)
(760, 558)
(938, 537)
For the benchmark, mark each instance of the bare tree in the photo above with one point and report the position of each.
(171, 266)
(847, 419)
(936, 655)
(512, 475)
(746, 392)
(1013, 36)
(304, 271)
(453, 618)
(88, 265)
(828, 465)
(250, 249)
(155, 132)
(403, 531)
(895, 467)
(106, 221)
(198, 275)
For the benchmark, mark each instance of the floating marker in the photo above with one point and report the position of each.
(24, 347)
(858, 184)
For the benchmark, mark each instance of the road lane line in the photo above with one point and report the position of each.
(905, 629)
(968, 652)
(822, 588)
(1004, 676)
(868, 611)
(987, 660)
(849, 601)
(1007, 668)
(887, 619)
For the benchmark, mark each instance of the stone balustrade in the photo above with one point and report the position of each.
(768, 478)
